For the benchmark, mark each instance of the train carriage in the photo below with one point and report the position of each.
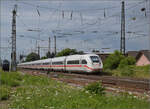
(45, 64)
(75, 63)
(58, 64)
(5, 65)
(84, 63)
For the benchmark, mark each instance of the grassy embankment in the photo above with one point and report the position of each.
(32, 92)
(131, 71)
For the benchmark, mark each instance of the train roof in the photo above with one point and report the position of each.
(76, 56)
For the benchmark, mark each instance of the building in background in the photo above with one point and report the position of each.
(143, 58)
(132, 53)
(103, 55)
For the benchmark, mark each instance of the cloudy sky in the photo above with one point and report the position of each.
(82, 24)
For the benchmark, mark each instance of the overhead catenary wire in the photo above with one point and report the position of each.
(82, 10)
(90, 9)
(24, 25)
(68, 10)
(83, 14)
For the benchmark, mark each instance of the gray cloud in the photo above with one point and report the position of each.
(88, 29)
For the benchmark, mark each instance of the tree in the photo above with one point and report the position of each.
(95, 50)
(80, 52)
(52, 55)
(48, 54)
(131, 60)
(44, 57)
(118, 60)
(127, 61)
(21, 57)
(32, 57)
(113, 61)
(67, 52)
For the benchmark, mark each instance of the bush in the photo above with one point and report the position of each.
(95, 88)
(127, 61)
(127, 71)
(131, 60)
(123, 63)
(118, 60)
(113, 61)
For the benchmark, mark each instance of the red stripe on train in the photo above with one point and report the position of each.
(68, 66)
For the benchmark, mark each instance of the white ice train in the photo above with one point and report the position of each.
(88, 63)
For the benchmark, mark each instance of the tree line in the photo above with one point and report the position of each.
(65, 52)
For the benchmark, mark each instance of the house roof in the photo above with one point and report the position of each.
(133, 53)
(103, 56)
(145, 52)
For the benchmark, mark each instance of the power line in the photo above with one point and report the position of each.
(96, 22)
(24, 25)
(104, 19)
(68, 10)
(81, 10)
(30, 37)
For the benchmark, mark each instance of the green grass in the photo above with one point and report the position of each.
(10, 78)
(4, 92)
(142, 71)
(41, 92)
(66, 97)
(132, 71)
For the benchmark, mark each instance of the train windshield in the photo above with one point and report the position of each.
(94, 59)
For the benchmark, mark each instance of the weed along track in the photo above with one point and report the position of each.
(113, 84)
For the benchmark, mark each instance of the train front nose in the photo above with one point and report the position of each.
(97, 67)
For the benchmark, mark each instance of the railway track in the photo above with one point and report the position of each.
(122, 83)
(137, 87)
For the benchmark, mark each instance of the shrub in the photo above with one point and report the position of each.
(113, 60)
(123, 63)
(95, 88)
(127, 71)
(118, 60)
(127, 61)
(131, 60)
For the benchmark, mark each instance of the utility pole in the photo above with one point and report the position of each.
(13, 54)
(39, 50)
(0, 51)
(49, 46)
(55, 44)
(122, 40)
(36, 46)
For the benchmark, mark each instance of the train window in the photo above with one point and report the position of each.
(45, 63)
(84, 62)
(73, 62)
(94, 59)
(57, 63)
